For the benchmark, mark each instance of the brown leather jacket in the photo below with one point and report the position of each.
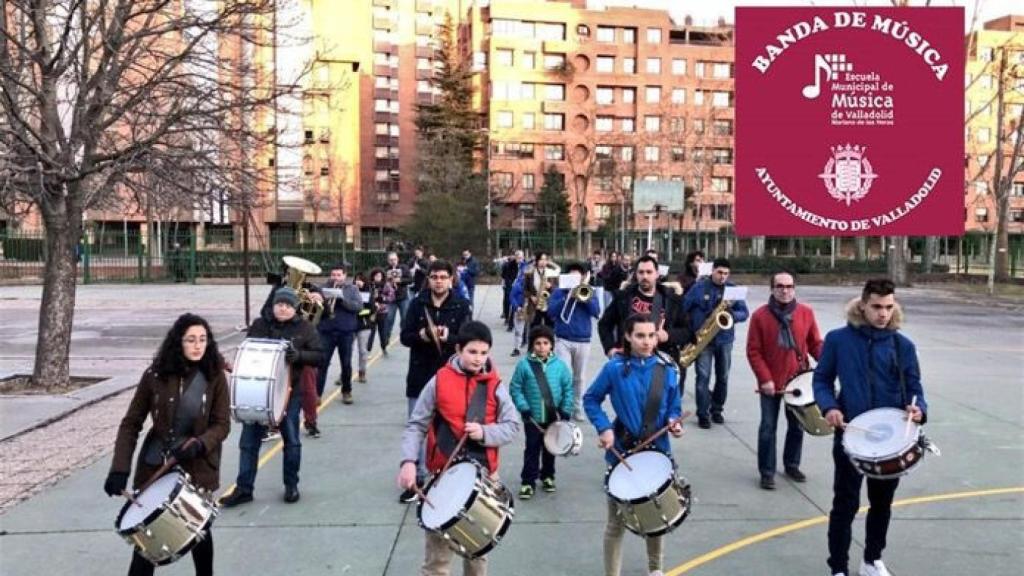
(156, 398)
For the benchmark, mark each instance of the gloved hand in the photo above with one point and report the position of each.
(564, 415)
(189, 450)
(291, 354)
(527, 415)
(116, 483)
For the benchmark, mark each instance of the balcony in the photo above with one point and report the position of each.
(385, 164)
(383, 70)
(383, 140)
(424, 5)
(384, 3)
(385, 94)
(424, 74)
(385, 117)
(554, 107)
(425, 29)
(385, 46)
(384, 24)
(425, 52)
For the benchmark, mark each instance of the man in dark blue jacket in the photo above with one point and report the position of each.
(470, 269)
(574, 326)
(877, 368)
(338, 327)
(699, 303)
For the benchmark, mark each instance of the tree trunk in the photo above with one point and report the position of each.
(931, 245)
(580, 221)
(57, 308)
(1001, 261)
(862, 248)
(897, 260)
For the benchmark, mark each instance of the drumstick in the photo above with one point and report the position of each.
(856, 428)
(657, 434)
(910, 418)
(168, 464)
(458, 448)
(419, 492)
(620, 457)
(130, 498)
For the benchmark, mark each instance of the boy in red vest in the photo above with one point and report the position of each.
(440, 415)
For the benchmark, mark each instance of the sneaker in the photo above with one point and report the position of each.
(580, 416)
(337, 382)
(361, 378)
(346, 398)
(291, 494)
(876, 568)
(235, 498)
(515, 352)
(767, 483)
(407, 496)
(312, 430)
(796, 475)
(526, 492)
(718, 418)
(704, 423)
(549, 485)
(271, 435)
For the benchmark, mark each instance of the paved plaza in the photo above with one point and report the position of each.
(958, 514)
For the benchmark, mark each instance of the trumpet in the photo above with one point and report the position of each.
(579, 294)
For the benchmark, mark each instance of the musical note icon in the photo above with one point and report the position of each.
(812, 91)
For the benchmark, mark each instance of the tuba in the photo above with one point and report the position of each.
(298, 268)
(720, 319)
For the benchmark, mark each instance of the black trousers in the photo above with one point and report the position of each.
(202, 557)
(846, 501)
(535, 454)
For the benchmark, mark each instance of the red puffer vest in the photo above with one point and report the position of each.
(455, 390)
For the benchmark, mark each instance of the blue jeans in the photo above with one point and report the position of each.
(342, 342)
(715, 400)
(421, 466)
(252, 437)
(395, 308)
(766, 457)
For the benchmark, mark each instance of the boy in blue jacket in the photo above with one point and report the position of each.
(877, 368)
(574, 326)
(628, 379)
(539, 408)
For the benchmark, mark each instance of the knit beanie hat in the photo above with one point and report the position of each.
(287, 295)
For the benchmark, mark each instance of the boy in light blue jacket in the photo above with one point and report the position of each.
(541, 389)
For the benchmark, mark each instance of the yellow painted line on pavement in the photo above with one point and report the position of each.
(781, 530)
(279, 445)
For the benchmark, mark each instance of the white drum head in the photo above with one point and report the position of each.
(560, 437)
(650, 470)
(155, 496)
(878, 433)
(448, 494)
(800, 390)
(259, 363)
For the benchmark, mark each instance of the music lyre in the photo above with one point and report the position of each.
(820, 65)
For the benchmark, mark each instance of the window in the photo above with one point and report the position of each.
(985, 53)
(380, 175)
(554, 152)
(503, 180)
(652, 95)
(982, 160)
(528, 181)
(651, 178)
(721, 212)
(983, 135)
(603, 211)
(679, 66)
(721, 99)
(1017, 215)
(554, 121)
(605, 34)
(698, 97)
(698, 70)
(652, 123)
(424, 87)
(721, 184)
(653, 66)
(980, 187)
(604, 183)
(678, 154)
(381, 152)
(654, 35)
(554, 92)
(723, 128)
(501, 90)
(380, 105)
(628, 125)
(722, 155)
(721, 70)
(583, 31)
(679, 95)
(678, 124)
(529, 60)
(554, 61)
(503, 57)
(981, 214)
(381, 82)
(505, 119)
(393, 130)
(550, 31)
(528, 119)
(629, 95)
(1018, 189)
(629, 65)
(528, 91)
(985, 82)
(603, 152)
(629, 35)
(502, 27)
(526, 30)
(604, 124)
(698, 126)
(423, 64)
(626, 153)
(651, 153)
(605, 64)
(605, 95)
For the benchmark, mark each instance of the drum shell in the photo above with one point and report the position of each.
(804, 407)
(551, 436)
(657, 513)
(481, 522)
(259, 396)
(895, 463)
(171, 530)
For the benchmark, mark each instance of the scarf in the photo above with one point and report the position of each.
(784, 314)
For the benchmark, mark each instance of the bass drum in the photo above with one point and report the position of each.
(259, 382)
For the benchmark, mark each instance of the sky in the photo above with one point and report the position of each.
(708, 11)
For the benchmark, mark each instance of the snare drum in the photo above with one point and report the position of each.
(563, 438)
(879, 447)
(799, 397)
(470, 511)
(651, 498)
(259, 382)
(167, 519)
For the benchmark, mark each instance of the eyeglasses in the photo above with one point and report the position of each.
(439, 277)
(785, 286)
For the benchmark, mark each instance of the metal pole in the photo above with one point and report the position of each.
(245, 261)
(650, 230)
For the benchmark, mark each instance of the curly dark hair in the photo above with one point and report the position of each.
(170, 358)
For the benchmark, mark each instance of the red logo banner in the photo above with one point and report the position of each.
(849, 122)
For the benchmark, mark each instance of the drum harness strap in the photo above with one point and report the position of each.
(190, 406)
(545, 392)
(899, 369)
(651, 407)
(476, 410)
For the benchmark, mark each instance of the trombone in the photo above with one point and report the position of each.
(579, 294)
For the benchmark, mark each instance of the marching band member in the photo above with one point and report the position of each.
(399, 279)
(541, 388)
(526, 295)
(367, 321)
(469, 269)
(877, 368)
(631, 379)
(439, 415)
(417, 266)
(510, 269)
(337, 329)
(186, 394)
(573, 322)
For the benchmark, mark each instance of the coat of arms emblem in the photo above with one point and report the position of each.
(848, 174)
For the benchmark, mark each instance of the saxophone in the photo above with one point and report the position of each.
(720, 319)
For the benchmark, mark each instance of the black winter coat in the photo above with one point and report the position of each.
(677, 323)
(303, 337)
(424, 360)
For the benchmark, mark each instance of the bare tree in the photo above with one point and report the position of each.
(96, 93)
